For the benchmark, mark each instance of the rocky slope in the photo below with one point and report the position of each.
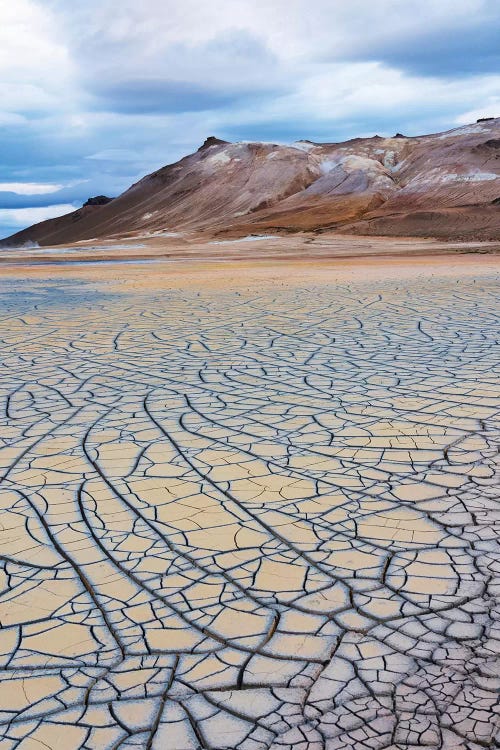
(445, 185)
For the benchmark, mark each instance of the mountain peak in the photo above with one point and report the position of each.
(212, 141)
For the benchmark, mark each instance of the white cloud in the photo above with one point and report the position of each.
(36, 68)
(11, 118)
(22, 217)
(292, 30)
(69, 59)
(352, 89)
(30, 188)
(490, 108)
(114, 154)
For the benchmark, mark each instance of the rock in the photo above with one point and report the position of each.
(212, 141)
(98, 200)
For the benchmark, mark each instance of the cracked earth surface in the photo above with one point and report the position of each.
(257, 519)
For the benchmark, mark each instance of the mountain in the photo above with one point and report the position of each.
(443, 185)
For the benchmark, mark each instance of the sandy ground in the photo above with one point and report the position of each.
(249, 502)
(163, 262)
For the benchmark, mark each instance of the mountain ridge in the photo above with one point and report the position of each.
(443, 185)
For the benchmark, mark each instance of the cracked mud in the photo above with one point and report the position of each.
(255, 519)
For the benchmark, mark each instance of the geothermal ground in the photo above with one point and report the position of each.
(248, 504)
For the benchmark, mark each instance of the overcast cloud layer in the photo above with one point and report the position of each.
(96, 93)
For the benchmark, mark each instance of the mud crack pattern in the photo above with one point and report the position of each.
(261, 521)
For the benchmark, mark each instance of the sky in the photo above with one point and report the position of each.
(96, 93)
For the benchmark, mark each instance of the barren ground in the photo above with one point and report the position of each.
(248, 496)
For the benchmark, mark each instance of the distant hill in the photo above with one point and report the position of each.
(443, 185)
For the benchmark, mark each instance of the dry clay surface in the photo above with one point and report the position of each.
(256, 517)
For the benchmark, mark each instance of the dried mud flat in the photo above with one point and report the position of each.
(249, 507)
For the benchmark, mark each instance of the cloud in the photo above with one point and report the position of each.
(155, 96)
(114, 155)
(490, 107)
(161, 74)
(20, 217)
(29, 188)
(35, 65)
(460, 50)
